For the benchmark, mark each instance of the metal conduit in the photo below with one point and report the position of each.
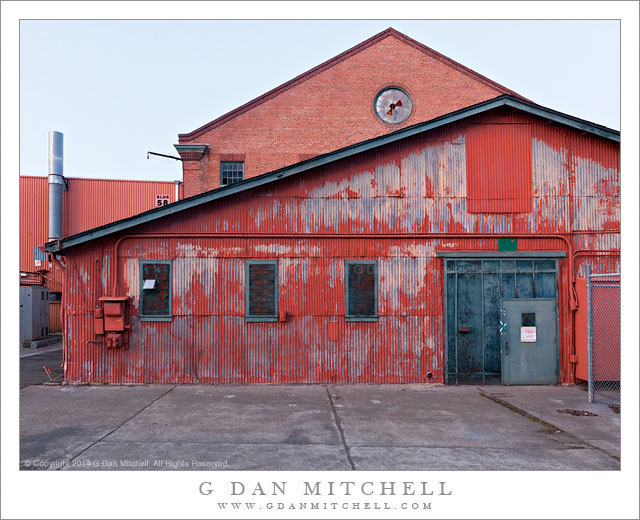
(571, 255)
(567, 244)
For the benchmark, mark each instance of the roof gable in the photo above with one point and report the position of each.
(331, 157)
(390, 32)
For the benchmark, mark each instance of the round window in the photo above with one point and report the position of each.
(393, 105)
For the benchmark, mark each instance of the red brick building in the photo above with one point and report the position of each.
(329, 107)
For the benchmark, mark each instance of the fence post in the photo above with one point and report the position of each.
(589, 333)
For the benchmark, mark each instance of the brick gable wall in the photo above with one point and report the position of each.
(333, 109)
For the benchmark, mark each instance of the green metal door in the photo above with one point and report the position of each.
(529, 341)
(475, 289)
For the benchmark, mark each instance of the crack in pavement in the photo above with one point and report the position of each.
(531, 417)
(340, 430)
(213, 443)
(119, 426)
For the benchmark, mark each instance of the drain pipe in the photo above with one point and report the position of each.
(56, 185)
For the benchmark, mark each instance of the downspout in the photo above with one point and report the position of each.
(571, 167)
(573, 306)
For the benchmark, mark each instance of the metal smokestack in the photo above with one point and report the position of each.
(56, 185)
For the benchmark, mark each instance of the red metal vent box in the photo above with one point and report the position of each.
(114, 323)
(112, 308)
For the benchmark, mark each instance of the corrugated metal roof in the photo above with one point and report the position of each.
(332, 157)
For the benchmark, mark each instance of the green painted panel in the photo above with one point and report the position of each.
(507, 244)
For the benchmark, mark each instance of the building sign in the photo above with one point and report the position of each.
(528, 334)
(162, 200)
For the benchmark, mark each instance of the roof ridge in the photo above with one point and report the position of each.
(454, 64)
(505, 100)
(390, 31)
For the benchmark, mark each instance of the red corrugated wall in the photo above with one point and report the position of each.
(417, 186)
(88, 203)
(34, 208)
(499, 168)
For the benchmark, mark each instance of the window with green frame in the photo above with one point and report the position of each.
(155, 290)
(261, 281)
(361, 283)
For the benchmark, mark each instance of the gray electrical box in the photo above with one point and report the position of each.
(34, 314)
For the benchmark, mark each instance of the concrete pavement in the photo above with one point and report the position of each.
(315, 427)
(33, 361)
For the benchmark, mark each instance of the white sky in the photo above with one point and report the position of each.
(118, 89)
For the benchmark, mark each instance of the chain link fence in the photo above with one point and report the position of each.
(603, 336)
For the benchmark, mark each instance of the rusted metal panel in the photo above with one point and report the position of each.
(597, 186)
(216, 345)
(609, 263)
(415, 186)
(550, 169)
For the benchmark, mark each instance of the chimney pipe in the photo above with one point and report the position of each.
(56, 185)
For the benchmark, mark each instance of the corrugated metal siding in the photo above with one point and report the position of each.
(597, 185)
(88, 203)
(600, 263)
(33, 218)
(499, 168)
(55, 320)
(418, 185)
(209, 341)
(91, 203)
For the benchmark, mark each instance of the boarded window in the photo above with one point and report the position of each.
(155, 290)
(361, 299)
(262, 290)
(499, 168)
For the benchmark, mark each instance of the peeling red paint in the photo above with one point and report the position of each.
(385, 205)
